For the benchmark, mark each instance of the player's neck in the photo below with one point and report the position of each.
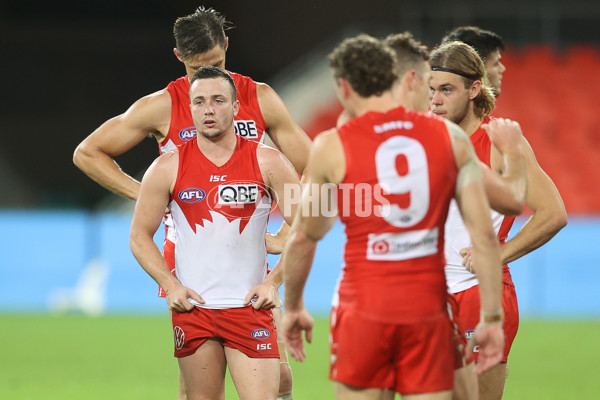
(382, 103)
(218, 150)
(471, 122)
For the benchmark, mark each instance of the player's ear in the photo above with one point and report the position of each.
(344, 86)
(236, 107)
(475, 89)
(226, 42)
(409, 78)
(177, 54)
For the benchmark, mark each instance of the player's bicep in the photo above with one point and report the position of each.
(541, 191)
(119, 134)
(285, 184)
(293, 142)
(155, 194)
(326, 167)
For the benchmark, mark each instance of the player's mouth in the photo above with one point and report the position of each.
(209, 123)
(438, 112)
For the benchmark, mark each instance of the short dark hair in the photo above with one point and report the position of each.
(366, 63)
(483, 41)
(212, 72)
(410, 53)
(199, 32)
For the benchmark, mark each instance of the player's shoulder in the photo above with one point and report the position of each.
(165, 162)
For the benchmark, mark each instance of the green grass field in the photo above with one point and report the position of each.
(123, 357)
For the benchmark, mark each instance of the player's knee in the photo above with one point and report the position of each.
(285, 380)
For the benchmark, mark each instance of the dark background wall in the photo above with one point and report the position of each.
(68, 66)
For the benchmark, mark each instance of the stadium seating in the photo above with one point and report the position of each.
(551, 94)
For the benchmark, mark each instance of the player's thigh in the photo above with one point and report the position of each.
(254, 378)
(343, 391)
(465, 383)
(204, 371)
(443, 395)
(491, 382)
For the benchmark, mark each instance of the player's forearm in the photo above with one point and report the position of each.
(297, 261)
(151, 260)
(275, 277)
(540, 228)
(486, 256)
(515, 175)
(106, 172)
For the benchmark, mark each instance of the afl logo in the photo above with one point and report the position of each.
(381, 247)
(261, 333)
(179, 337)
(192, 195)
(187, 133)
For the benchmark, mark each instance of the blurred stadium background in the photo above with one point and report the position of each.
(68, 66)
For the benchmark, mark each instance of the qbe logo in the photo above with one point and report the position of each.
(187, 133)
(179, 337)
(246, 129)
(191, 195)
(252, 196)
(238, 194)
(261, 333)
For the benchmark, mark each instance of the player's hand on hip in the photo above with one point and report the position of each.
(178, 299)
(467, 253)
(294, 322)
(262, 296)
(490, 338)
(505, 134)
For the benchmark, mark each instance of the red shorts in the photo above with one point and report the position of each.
(459, 340)
(469, 312)
(248, 330)
(407, 358)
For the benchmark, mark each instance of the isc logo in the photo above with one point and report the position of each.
(187, 133)
(261, 333)
(246, 129)
(238, 194)
(263, 346)
(192, 195)
(217, 178)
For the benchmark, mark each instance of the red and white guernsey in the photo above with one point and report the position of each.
(457, 235)
(220, 216)
(249, 123)
(394, 261)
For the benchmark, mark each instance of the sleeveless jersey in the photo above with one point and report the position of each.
(400, 177)
(457, 235)
(220, 218)
(249, 122)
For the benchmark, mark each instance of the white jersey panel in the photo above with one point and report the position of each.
(217, 261)
(456, 238)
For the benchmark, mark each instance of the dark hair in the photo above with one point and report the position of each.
(199, 32)
(483, 41)
(410, 53)
(366, 63)
(462, 59)
(212, 72)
